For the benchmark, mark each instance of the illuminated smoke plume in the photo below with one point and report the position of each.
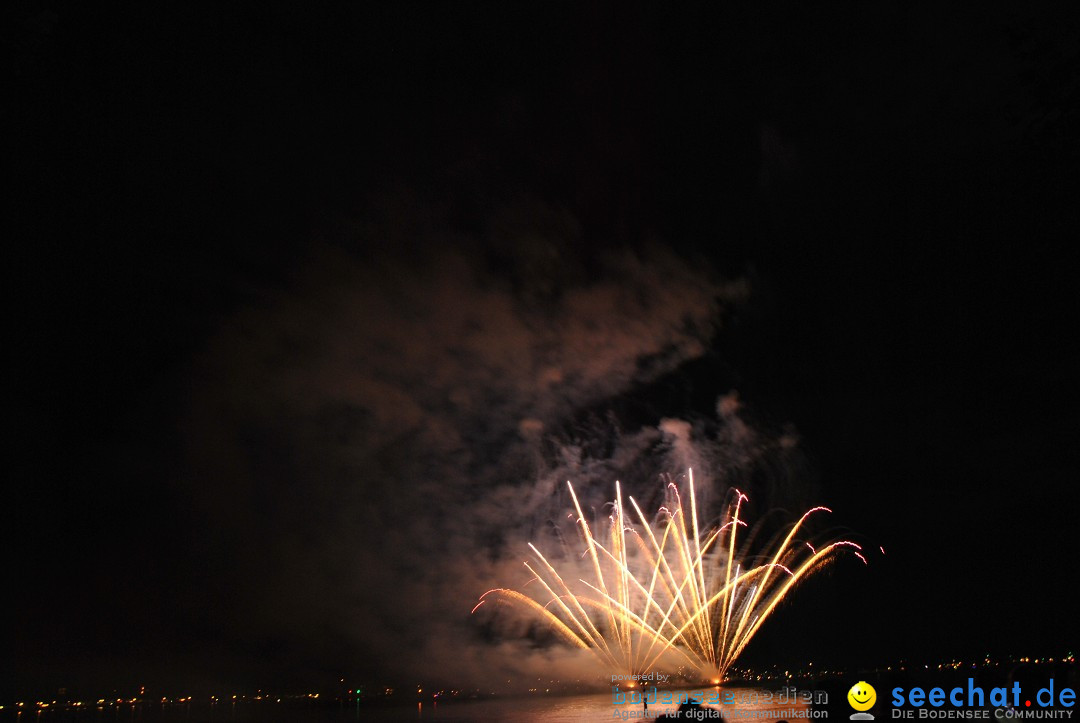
(369, 434)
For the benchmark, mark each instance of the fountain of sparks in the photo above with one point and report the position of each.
(667, 591)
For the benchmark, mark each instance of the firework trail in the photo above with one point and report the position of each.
(666, 590)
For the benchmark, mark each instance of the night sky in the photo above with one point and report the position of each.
(311, 313)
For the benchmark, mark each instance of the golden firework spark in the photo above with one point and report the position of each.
(666, 590)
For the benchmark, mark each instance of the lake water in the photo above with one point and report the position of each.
(749, 707)
(601, 707)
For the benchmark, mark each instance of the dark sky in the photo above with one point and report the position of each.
(311, 311)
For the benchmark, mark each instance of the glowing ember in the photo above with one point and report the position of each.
(666, 590)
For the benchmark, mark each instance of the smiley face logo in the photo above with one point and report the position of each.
(862, 696)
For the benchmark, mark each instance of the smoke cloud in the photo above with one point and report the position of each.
(375, 445)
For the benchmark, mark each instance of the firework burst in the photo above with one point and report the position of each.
(665, 590)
